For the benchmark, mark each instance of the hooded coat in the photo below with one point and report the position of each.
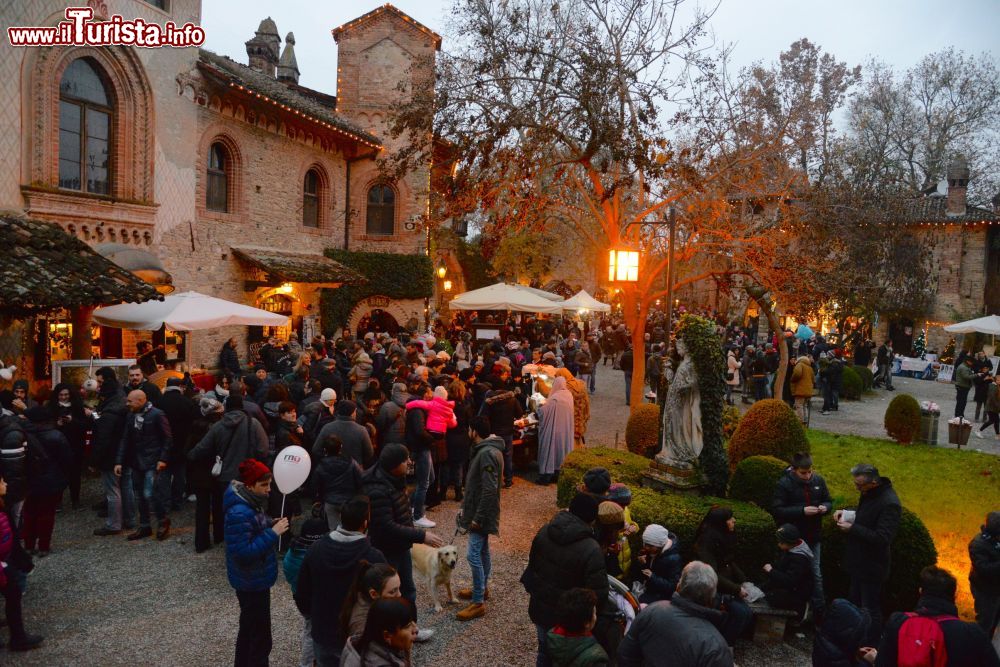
(325, 579)
(556, 428)
(391, 420)
(251, 563)
(716, 546)
(564, 555)
(357, 443)
(803, 378)
(481, 503)
(235, 438)
(337, 479)
(666, 572)
(440, 413)
(52, 477)
(391, 526)
(361, 372)
(840, 636)
(789, 584)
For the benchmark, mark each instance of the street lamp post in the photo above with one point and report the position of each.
(670, 272)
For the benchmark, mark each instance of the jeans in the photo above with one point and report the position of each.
(867, 594)
(770, 385)
(737, 618)
(508, 457)
(818, 599)
(830, 399)
(628, 389)
(542, 659)
(759, 387)
(308, 654)
(403, 563)
(253, 641)
(121, 499)
(424, 471)
(208, 509)
(593, 379)
(588, 381)
(152, 491)
(40, 520)
(12, 595)
(478, 555)
(961, 398)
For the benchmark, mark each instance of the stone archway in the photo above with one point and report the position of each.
(402, 310)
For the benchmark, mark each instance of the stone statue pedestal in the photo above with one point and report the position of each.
(665, 474)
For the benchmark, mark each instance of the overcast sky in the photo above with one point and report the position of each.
(897, 31)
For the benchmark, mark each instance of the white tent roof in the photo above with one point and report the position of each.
(503, 296)
(582, 300)
(186, 311)
(987, 325)
(540, 292)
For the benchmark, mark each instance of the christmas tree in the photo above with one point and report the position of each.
(920, 344)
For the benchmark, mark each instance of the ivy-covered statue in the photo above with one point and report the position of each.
(691, 455)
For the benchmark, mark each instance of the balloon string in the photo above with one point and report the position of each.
(280, 515)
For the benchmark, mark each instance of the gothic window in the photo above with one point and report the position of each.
(85, 112)
(381, 214)
(310, 199)
(219, 167)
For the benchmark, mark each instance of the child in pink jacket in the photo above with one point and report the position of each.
(440, 411)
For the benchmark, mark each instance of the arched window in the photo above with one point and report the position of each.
(310, 199)
(381, 215)
(85, 111)
(219, 165)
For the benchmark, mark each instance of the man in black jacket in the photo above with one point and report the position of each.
(181, 412)
(137, 380)
(391, 529)
(565, 555)
(502, 408)
(328, 570)
(869, 539)
(145, 448)
(984, 577)
(109, 425)
(802, 499)
(966, 644)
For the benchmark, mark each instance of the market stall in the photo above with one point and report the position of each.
(582, 302)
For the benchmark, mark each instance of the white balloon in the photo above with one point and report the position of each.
(291, 468)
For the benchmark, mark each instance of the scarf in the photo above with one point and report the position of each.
(255, 500)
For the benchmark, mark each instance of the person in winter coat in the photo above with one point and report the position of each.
(234, 439)
(372, 582)
(181, 412)
(357, 443)
(360, 374)
(733, 380)
(327, 576)
(391, 419)
(208, 490)
(802, 499)
(440, 411)
(789, 582)
(142, 455)
(392, 529)
(109, 425)
(581, 406)
(984, 577)
(73, 421)
(46, 484)
(16, 564)
(564, 555)
(840, 637)
(14, 462)
(555, 431)
(966, 644)
(570, 643)
(685, 628)
(480, 514)
(992, 406)
(312, 530)
(833, 378)
(229, 359)
(715, 544)
(503, 409)
(337, 479)
(660, 563)
(137, 381)
(419, 442)
(802, 386)
(387, 639)
(869, 538)
(251, 563)
(758, 375)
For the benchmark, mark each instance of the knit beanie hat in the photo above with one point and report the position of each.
(788, 534)
(392, 456)
(620, 494)
(655, 535)
(597, 480)
(328, 397)
(584, 506)
(209, 406)
(441, 391)
(609, 513)
(252, 471)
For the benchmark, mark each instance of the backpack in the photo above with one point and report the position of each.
(921, 641)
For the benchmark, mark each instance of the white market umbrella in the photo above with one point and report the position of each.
(583, 301)
(986, 325)
(503, 296)
(187, 311)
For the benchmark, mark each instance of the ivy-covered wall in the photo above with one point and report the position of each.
(395, 276)
(477, 270)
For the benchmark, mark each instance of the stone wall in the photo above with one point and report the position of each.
(959, 258)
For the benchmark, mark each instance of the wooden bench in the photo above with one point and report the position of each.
(770, 623)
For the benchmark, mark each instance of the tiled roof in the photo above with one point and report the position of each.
(297, 267)
(293, 96)
(388, 8)
(43, 268)
(934, 209)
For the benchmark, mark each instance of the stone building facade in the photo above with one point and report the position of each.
(234, 177)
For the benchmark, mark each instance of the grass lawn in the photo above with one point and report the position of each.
(950, 490)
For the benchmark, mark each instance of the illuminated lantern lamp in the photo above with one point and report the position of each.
(623, 266)
(442, 271)
(447, 286)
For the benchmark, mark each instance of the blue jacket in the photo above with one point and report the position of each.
(666, 568)
(251, 562)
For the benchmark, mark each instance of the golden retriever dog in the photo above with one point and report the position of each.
(435, 566)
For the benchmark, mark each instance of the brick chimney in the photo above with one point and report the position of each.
(262, 50)
(958, 180)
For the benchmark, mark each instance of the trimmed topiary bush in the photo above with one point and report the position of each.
(624, 467)
(912, 550)
(850, 384)
(902, 419)
(754, 480)
(769, 428)
(642, 433)
(682, 514)
(730, 420)
(866, 375)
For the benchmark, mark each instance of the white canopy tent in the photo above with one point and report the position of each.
(583, 301)
(540, 292)
(187, 311)
(504, 296)
(986, 325)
